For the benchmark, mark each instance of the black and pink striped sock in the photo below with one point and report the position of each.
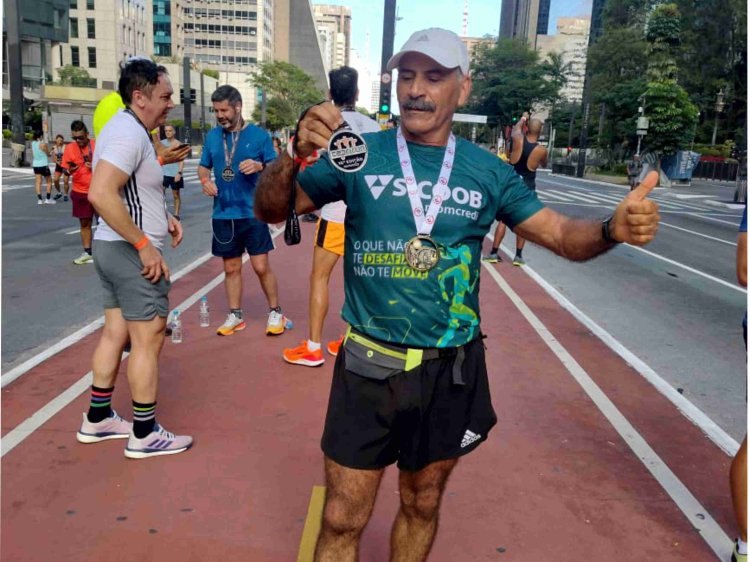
(144, 418)
(100, 407)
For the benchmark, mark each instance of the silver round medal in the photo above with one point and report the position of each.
(347, 150)
(227, 174)
(422, 253)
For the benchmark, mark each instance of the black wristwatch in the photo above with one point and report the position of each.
(606, 234)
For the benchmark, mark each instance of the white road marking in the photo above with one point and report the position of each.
(662, 223)
(697, 515)
(23, 430)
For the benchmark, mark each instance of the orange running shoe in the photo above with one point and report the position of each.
(301, 355)
(334, 346)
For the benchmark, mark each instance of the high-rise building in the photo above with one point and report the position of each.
(43, 26)
(169, 35)
(297, 40)
(103, 33)
(334, 30)
(524, 19)
(571, 41)
(230, 37)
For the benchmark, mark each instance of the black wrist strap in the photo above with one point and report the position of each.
(606, 234)
(292, 232)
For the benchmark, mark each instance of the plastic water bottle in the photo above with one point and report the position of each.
(288, 324)
(203, 312)
(176, 327)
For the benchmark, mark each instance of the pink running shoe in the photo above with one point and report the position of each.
(114, 427)
(158, 442)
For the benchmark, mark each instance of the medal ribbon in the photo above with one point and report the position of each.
(229, 156)
(425, 221)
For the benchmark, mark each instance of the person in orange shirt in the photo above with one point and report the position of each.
(77, 160)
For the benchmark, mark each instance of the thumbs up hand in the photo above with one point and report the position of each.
(636, 218)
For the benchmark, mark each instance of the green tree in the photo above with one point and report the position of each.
(669, 109)
(508, 80)
(211, 72)
(74, 76)
(618, 63)
(289, 91)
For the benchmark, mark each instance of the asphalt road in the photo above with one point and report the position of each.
(675, 306)
(45, 296)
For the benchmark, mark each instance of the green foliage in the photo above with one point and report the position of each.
(664, 25)
(29, 136)
(75, 76)
(211, 72)
(289, 91)
(618, 65)
(509, 79)
(671, 117)
(7, 134)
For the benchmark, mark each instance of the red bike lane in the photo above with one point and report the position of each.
(554, 480)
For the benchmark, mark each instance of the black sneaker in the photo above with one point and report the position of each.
(310, 217)
(58, 196)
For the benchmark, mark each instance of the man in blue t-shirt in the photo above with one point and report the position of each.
(237, 152)
(410, 384)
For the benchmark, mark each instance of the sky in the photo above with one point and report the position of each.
(412, 15)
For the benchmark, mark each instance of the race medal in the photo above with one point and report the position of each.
(347, 150)
(227, 174)
(422, 253)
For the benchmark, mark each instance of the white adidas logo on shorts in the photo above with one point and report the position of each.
(469, 438)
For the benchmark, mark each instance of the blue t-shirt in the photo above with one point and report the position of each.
(235, 198)
(743, 222)
(384, 297)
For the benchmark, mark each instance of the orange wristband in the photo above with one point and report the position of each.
(204, 181)
(160, 160)
(141, 243)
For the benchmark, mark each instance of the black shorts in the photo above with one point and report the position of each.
(231, 237)
(42, 171)
(59, 169)
(169, 182)
(413, 418)
(530, 182)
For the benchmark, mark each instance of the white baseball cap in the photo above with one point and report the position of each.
(441, 45)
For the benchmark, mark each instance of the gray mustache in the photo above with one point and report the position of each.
(420, 105)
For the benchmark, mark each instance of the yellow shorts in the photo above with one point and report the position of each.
(330, 236)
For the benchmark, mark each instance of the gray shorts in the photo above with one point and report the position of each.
(119, 267)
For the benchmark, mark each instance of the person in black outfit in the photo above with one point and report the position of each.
(526, 156)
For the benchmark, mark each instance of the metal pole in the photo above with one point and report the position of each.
(203, 109)
(389, 32)
(15, 73)
(263, 107)
(716, 126)
(187, 105)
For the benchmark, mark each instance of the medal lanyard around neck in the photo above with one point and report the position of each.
(440, 192)
(229, 156)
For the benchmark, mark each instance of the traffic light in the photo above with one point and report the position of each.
(192, 96)
(514, 119)
(385, 99)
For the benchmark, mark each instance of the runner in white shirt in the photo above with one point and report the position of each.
(126, 191)
(329, 233)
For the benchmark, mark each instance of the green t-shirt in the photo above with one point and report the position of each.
(384, 297)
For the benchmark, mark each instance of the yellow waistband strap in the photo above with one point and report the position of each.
(412, 358)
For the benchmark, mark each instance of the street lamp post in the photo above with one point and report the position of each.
(641, 129)
(719, 107)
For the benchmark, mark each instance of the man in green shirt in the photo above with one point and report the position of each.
(410, 384)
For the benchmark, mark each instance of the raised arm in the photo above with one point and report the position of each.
(635, 221)
(273, 191)
(516, 136)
